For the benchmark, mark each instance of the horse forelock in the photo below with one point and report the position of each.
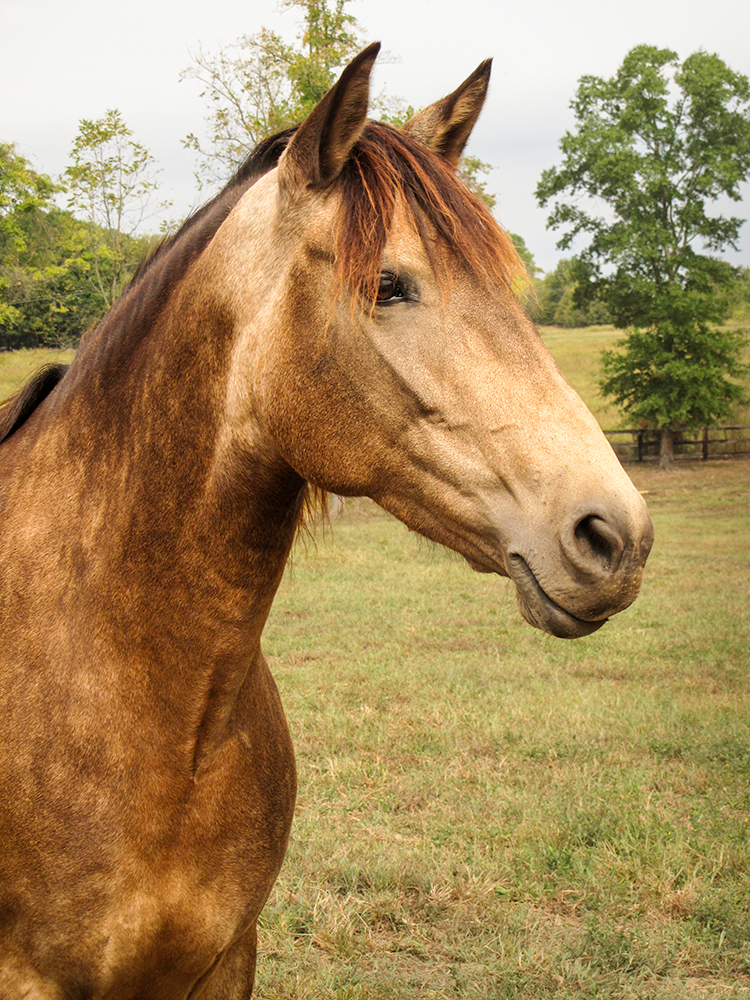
(388, 167)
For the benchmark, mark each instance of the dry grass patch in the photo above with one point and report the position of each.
(489, 812)
(17, 366)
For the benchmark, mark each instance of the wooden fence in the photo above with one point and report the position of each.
(710, 442)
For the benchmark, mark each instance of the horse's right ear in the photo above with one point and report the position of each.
(321, 145)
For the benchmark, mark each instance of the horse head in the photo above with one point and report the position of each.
(389, 357)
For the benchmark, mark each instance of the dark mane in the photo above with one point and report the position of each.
(155, 276)
(387, 166)
(199, 228)
(15, 410)
(160, 272)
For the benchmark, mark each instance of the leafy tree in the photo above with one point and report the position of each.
(330, 38)
(111, 183)
(658, 143)
(51, 276)
(471, 168)
(41, 258)
(55, 298)
(525, 254)
(680, 380)
(23, 193)
(247, 87)
(259, 85)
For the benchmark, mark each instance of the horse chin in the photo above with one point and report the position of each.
(541, 611)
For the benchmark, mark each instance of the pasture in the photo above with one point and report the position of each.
(17, 366)
(488, 812)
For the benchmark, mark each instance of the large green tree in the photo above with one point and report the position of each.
(44, 296)
(56, 270)
(23, 194)
(657, 145)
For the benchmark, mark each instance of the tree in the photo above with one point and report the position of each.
(57, 297)
(259, 85)
(330, 38)
(42, 257)
(111, 183)
(23, 193)
(658, 144)
(56, 271)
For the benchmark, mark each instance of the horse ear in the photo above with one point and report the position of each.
(446, 125)
(322, 144)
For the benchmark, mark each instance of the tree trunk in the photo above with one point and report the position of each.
(666, 449)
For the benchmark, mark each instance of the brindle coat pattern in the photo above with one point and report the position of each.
(149, 497)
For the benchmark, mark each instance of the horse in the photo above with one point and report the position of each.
(341, 317)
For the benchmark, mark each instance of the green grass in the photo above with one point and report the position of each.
(17, 366)
(488, 812)
(577, 352)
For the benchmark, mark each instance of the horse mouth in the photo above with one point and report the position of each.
(540, 610)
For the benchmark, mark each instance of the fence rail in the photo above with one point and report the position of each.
(711, 442)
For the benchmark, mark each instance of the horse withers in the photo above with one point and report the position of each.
(341, 317)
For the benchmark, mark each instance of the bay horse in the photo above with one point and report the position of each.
(341, 317)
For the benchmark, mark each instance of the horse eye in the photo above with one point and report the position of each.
(390, 288)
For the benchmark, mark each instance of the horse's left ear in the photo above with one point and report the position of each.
(446, 125)
(323, 142)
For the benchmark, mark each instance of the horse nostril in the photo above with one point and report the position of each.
(598, 542)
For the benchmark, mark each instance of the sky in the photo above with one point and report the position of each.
(64, 61)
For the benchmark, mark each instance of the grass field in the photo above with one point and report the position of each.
(16, 366)
(578, 353)
(488, 812)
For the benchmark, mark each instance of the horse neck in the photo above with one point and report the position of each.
(183, 532)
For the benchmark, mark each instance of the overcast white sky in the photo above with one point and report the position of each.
(63, 60)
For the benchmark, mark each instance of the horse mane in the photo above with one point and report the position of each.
(15, 410)
(161, 270)
(156, 274)
(386, 165)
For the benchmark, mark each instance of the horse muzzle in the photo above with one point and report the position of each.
(597, 573)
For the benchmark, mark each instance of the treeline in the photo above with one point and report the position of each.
(51, 266)
(59, 273)
(62, 268)
(552, 299)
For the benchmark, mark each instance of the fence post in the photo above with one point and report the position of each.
(705, 443)
(640, 446)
